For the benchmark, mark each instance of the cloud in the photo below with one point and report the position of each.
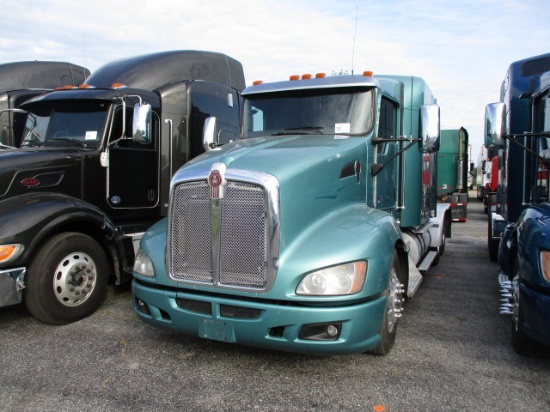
(462, 49)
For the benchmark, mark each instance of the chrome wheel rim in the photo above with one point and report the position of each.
(74, 279)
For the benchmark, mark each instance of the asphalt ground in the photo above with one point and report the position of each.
(453, 353)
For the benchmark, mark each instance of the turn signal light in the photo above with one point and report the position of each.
(545, 265)
(10, 252)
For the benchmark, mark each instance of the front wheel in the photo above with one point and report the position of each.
(393, 310)
(67, 279)
(520, 341)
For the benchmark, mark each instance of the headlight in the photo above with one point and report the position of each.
(345, 279)
(143, 265)
(10, 252)
(545, 264)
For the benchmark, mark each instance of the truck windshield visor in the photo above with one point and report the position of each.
(319, 111)
(75, 123)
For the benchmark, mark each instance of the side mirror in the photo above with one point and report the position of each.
(495, 125)
(209, 134)
(141, 127)
(429, 127)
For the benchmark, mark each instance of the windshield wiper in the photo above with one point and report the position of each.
(290, 130)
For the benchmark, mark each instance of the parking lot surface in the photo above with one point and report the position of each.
(453, 353)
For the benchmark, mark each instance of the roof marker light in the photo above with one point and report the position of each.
(368, 73)
(86, 86)
(294, 77)
(320, 75)
(257, 82)
(118, 86)
(66, 87)
(306, 76)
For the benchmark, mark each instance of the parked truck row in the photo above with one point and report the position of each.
(296, 215)
(518, 127)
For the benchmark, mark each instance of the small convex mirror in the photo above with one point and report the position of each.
(141, 127)
(429, 127)
(495, 125)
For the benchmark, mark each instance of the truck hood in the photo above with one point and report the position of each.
(317, 174)
(25, 170)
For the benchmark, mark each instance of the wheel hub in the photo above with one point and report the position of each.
(75, 278)
(395, 307)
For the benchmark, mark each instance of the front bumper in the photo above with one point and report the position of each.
(261, 324)
(535, 307)
(11, 286)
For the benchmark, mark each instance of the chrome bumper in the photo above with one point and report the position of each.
(12, 283)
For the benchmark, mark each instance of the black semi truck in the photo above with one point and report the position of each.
(93, 172)
(19, 81)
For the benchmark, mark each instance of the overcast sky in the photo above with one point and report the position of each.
(461, 48)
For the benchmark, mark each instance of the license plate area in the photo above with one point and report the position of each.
(217, 330)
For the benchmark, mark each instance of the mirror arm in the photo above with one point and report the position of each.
(379, 167)
(511, 137)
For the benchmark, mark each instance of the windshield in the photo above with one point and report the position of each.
(319, 111)
(79, 123)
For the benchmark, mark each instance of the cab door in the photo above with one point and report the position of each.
(386, 180)
(133, 170)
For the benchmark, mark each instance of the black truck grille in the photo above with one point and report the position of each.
(243, 247)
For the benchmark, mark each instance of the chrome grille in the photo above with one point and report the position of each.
(243, 236)
(243, 239)
(190, 233)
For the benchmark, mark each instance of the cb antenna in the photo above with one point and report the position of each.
(354, 35)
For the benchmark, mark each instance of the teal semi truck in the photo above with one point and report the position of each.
(452, 163)
(307, 233)
(453, 171)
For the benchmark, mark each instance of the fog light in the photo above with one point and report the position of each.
(332, 331)
(142, 306)
(321, 331)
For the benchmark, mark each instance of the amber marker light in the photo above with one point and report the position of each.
(320, 75)
(368, 73)
(117, 85)
(306, 76)
(257, 82)
(67, 87)
(10, 252)
(545, 264)
(294, 77)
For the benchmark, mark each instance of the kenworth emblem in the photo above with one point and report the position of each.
(216, 180)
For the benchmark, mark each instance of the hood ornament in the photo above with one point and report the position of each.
(216, 180)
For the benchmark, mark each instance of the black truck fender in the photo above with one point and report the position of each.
(33, 218)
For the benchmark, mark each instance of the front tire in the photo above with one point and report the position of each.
(392, 311)
(520, 341)
(67, 279)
